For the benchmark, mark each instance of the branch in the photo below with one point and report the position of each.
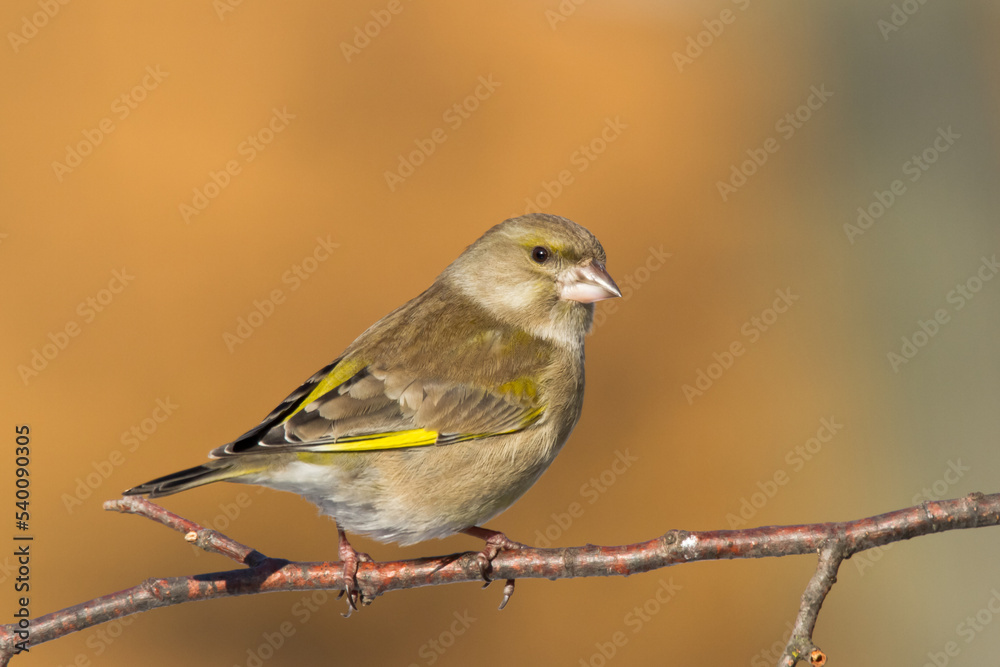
(833, 541)
(800, 643)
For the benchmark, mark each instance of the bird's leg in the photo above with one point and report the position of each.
(350, 558)
(495, 543)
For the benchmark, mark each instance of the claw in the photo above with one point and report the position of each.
(495, 543)
(508, 590)
(350, 558)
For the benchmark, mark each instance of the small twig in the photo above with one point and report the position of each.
(800, 644)
(834, 542)
(209, 540)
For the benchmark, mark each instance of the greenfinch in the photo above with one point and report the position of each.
(445, 411)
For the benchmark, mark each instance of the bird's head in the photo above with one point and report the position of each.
(539, 272)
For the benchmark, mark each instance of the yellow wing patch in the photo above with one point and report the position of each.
(521, 388)
(344, 371)
(397, 440)
(418, 437)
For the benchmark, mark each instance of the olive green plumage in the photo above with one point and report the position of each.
(445, 411)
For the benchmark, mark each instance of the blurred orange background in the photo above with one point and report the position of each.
(169, 169)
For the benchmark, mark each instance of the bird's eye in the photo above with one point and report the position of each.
(540, 254)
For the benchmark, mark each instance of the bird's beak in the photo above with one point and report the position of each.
(588, 283)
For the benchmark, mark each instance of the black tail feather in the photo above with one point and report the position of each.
(183, 480)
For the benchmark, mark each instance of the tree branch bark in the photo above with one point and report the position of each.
(834, 542)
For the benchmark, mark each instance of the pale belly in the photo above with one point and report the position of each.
(412, 495)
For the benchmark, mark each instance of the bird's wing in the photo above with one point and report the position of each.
(350, 406)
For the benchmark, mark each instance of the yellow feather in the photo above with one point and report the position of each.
(343, 372)
(417, 437)
(521, 388)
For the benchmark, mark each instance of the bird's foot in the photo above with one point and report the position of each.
(350, 558)
(495, 543)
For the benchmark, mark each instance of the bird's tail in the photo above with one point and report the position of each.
(214, 471)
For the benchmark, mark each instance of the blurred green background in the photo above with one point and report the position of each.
(721, 152)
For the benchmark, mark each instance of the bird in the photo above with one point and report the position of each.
(444, 412)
